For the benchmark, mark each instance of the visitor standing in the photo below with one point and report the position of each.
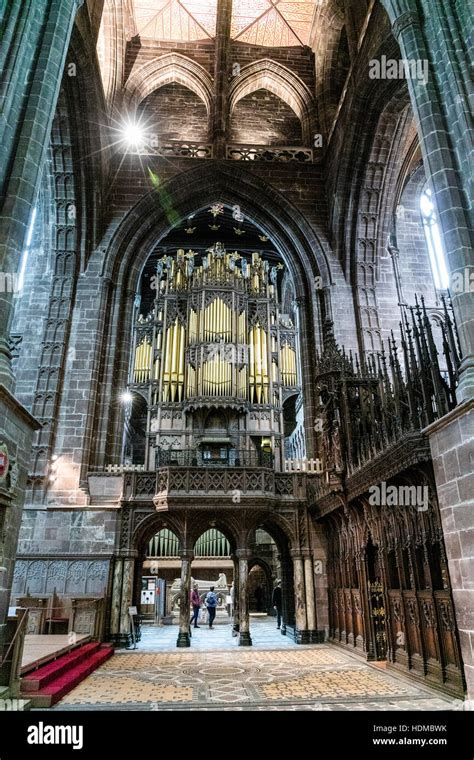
(211, 604)
(196, 605)
(276, 601)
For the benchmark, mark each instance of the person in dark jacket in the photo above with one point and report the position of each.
(211, 604)
(196, 605)
(276, 601)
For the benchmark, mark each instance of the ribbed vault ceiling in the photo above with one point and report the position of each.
(272, 23)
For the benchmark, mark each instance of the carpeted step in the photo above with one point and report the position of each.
(64, 683)
(39, 678)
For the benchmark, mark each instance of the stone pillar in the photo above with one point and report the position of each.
(236, 610)
(310, 603)
(127, 596)
(184, 639)
(116, 600)
(34, 47)
(438, 139)
(122, 598)
(301, 626)
(244, 623)
(452, 444)
(221, 77)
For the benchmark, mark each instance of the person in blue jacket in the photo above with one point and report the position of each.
(211, 604)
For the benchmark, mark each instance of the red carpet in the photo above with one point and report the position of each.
(47, 685)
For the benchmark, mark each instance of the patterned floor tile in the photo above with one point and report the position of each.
(266, 677)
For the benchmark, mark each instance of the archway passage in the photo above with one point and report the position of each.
(241, 562)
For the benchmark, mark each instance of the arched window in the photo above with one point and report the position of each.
(433, 240)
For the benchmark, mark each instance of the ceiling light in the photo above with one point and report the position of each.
(133, 134)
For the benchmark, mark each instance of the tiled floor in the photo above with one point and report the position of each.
(216, 674)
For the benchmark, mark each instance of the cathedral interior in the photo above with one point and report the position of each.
(236, 332)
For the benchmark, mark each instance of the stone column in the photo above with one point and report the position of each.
(236, 610)
(126, 602)
(34, 47)
(116, 600)
(301, 626)
(221, 77)
(244, 623)
(310, 603)
(122, 598)
(438, 139)
(184, 639)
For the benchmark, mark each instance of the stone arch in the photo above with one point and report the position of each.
(172, 67)
(226, 526)
(146, 528)
(282, 530)
(278, 79)
(304, 249)
(258, 562)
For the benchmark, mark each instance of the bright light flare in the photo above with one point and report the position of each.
(133, 134)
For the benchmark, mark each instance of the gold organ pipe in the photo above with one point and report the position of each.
(181, 363)
(251, 366)
(258, 370)
(258, 352)
(135, 368)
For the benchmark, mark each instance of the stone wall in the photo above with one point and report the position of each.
(262, 118)
(175, 113)
(452, 449)
(57, 531)
(67, 577)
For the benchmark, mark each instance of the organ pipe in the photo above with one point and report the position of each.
(210, 346)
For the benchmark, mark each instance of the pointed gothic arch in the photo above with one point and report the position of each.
(280, 81)
(172, 67)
